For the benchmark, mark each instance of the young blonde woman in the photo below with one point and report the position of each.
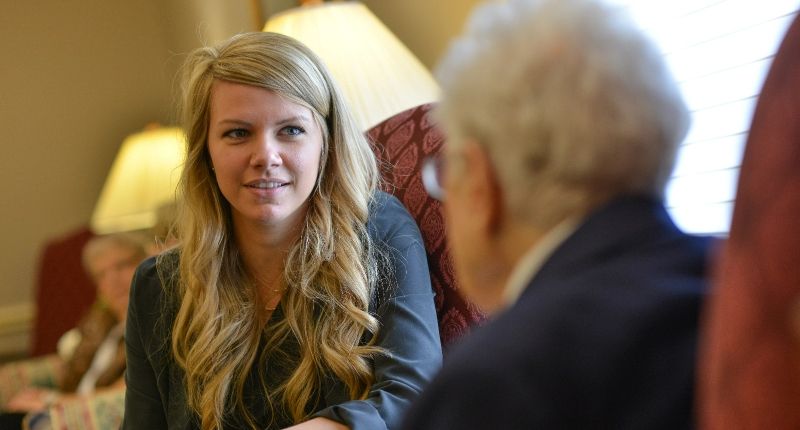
(299, 294)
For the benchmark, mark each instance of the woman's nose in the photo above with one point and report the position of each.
(266, 153)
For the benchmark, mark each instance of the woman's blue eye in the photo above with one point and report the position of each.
(293, 131)
(237, 133)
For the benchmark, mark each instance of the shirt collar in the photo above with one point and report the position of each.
(529, 264)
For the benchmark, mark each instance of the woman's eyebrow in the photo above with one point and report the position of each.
(290, 119)
(233, 121)
(294, 118)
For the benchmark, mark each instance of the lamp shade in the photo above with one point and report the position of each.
(143, 178)
(377, 73)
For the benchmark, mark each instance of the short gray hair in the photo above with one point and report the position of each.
(572, 102)
(99, 245)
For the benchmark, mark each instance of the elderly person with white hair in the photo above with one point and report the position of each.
(563, 123)
(92, 355)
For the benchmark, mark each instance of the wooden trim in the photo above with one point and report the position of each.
(16, 324)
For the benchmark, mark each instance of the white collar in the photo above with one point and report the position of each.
(529, 264)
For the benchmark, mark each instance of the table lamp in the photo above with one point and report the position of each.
(142, 179)
(377, 73)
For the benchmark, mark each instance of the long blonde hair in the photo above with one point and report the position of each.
(330, 270)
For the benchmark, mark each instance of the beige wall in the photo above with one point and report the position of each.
(77, 77)
(425, 26)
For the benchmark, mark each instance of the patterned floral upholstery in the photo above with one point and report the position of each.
(401, 143)
(35, 372)
(102, 411)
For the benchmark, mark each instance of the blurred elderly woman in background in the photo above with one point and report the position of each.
(93, 353)
(563, 124)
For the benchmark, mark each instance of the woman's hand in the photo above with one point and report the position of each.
(31, 399)
(319, 423)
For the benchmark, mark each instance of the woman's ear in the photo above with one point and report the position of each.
(484, 192)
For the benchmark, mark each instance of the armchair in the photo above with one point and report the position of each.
(401, 144)
(63, 292)
(749, 371)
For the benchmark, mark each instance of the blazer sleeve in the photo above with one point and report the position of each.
(143, 404)
(409, 331)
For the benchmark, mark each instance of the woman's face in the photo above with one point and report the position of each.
(112, 271)
(265, 151)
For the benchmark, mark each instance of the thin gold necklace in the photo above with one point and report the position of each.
(278, 293)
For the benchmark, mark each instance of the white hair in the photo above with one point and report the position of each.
(572, 102)
(134, 243)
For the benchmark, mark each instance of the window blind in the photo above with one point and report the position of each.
(720, 52)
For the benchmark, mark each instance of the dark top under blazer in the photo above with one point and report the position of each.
(603, 337)
(156, 397)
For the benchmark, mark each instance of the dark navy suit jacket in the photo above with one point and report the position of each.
(604, 336)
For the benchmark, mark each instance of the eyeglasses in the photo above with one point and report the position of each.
(433, 176)
(116, 266)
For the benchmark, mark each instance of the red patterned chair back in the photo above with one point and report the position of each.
(64, 291)
(750, 367)
(401, 144)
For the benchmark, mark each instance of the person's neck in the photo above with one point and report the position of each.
(529, 248)
(263, 249)
(518, 240)
(503, 253)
